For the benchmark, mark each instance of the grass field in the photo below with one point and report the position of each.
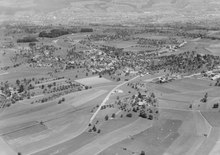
(214, 49)
(90, 81)
(154, 140)
(22, 129)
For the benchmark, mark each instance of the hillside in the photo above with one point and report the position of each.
(109, 10)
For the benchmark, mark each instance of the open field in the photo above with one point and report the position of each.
(118, 44)
(214, 49)
(154, 140)
(175, 95)
(166, 136)
(24, 133)
(149, 36)
(93, 81)
(5, 149)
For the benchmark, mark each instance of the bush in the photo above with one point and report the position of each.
(94, 128)
(60, 101)
(90, 130)
(143, 115)
(142, 153)
(129, 115)
(106, 117)
(113, 115)
(150, 117)
(99, 131)
(63, 99)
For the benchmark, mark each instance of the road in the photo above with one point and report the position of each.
(109, 94)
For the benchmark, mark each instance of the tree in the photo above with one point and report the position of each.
(113, 115)
(143, 114)
(190, 106)
(63, 99)
(204, 99)
(18, 82)
(21, 88)
(142, 153)
(152, 95)
(90, 130)
(94, 128)
(98, 131)
(150, 117)
(106, 117)
(215, 106)
(129, 115)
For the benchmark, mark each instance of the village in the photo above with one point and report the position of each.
(139, 85)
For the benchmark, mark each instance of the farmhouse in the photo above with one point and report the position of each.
(215, 77)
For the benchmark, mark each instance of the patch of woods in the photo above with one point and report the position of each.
(187, 62)
(54, 33)
(28, 39)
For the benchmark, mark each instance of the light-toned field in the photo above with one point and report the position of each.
(153, 141)
(87, 138)
(5, 149)
(179, 131)
(149, 36)
(107, 140)
(91, 81)
(118, 44)
(180, 136)
(21, 128)
(194, 131)
(214, 49)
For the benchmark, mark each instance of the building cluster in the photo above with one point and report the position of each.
(213, 75)
(145, 106)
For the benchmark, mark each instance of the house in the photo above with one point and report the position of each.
(215, 77)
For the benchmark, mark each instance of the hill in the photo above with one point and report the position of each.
(57, 11)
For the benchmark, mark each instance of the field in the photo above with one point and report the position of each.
(91, 81)
(214, 49)
(175, 136)
(148, 36)
(118, 44)
(22, 130)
